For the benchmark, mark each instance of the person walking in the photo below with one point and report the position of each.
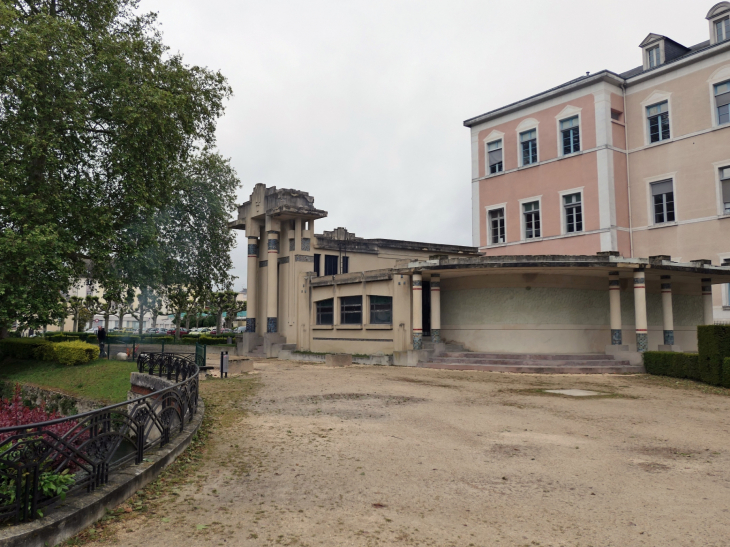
(101, 336)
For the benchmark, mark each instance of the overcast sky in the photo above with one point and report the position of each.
(361, 104)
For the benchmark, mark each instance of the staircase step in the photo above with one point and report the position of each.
(527, 356)
(530, 362)
(616, 367)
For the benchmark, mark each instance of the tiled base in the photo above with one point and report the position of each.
(642, 342)
(616, 337)
(436, 336)
(251, 324)
(271, 324)
(668, 337)
(417, 341)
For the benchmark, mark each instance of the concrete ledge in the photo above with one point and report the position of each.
(338, 359)
(83, 509)
(410, 358)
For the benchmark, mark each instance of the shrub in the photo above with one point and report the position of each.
(676, 365)
(726, 372)
(75, 353)
(61, 337)
(713, 342)
(22, 348)
(213, 340)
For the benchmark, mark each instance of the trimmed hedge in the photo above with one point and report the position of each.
(726, 372)
(713, 342)
(62, 337)
(75, 353)
(676, 365)
(208, 340)
(22, 348)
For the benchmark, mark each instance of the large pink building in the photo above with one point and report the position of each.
(636, 163)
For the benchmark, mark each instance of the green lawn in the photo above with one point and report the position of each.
(100, 380)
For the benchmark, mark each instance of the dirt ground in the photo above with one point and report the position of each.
(305, 455)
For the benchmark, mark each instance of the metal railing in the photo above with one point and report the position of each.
(83, 450)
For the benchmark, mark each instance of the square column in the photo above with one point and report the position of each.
(667, 312)
(436, 309)
(642, 333)
(707, 301)
(417, 311)
(272, 293)
(252, 288)
(614, 296)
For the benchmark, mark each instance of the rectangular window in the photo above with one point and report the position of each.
(722, 102)
(317, 260)
(658, 116)
(330, 264)
(531, 212)
(496, 226)
(571, 135)
(573, 213)
(351, 310)
(722, 28)
(725, 183)
(616, 115)
(663, 197)
(654, 58)
(326, 311)
(345, 264)
(494, 150)
(381, 310)
(528, 140)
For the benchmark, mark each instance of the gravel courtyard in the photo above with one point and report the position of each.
(305, 455)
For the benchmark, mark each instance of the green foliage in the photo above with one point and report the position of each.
(726, 372)
(208, 340)
(101, 380)
(62, 337)
(75, 353)
(714, 345)
(50, 485)
(676, 365)
(22, 348)
(102, 131)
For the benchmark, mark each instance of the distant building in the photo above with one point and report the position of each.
(636, 163)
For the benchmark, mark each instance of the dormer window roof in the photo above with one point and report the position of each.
(659, 50)
(719, 18)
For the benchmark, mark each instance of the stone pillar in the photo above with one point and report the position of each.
(667, 312)
(252, 289)
(614, 296)
(642, 333)
(436, 309)
(707, 301)
(417, 311)
(272, 296)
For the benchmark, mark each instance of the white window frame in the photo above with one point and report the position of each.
(658, 57)
(528, 125)
(650, 199)
(719, 76)
(718, 187)
(523, 227)
(655, 98)
(714, 23)
(493, 136)
(490, 208)
(567, 113)
(563, 217)
(657, 43)
(487, 172)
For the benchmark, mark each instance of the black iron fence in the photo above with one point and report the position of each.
(41, 463)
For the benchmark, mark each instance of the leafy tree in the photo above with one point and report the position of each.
(75, 307)
(146, 302)
(178, 300)
(234, 306)
(100, 130)
(125, 306)
(108, 306)
(92, 305)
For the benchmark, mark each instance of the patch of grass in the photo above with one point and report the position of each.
(677, 383)
(100, 380)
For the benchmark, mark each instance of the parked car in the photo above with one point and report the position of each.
(239, 330)
(91, 331)
(183, 331)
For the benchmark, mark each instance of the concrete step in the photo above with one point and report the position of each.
(522, 361)
(543, 367)
(454, 348)
(527, 356)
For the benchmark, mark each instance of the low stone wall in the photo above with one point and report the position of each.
(54, 401)
(322, 357)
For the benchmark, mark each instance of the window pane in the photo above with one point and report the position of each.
(659, 209)
(325, 312)
(317, 260)
(496, 145)
(726, 196)
(345, 264)
(723, 114)
(330, 264)
(528, 135)
(571, 122)
(722, 88)
(669, 203)
(351, 310)
(381, 310)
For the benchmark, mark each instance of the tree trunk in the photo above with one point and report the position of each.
(218, 322)
(178, 317)
(106, 321)
(121, 315)
(3, 332)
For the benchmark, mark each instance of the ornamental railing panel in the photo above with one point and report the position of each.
(43, 462)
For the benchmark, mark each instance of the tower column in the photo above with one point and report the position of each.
(642, 333)
(252, 289)
(272, 296)
(436, 308)
(614, 296)
(417, 311)
(707, 301)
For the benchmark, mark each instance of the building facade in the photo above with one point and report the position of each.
(636, 163)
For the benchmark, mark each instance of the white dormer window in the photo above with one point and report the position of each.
(722, 29)
(654, 57)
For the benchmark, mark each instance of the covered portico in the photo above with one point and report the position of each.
(563, 304)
